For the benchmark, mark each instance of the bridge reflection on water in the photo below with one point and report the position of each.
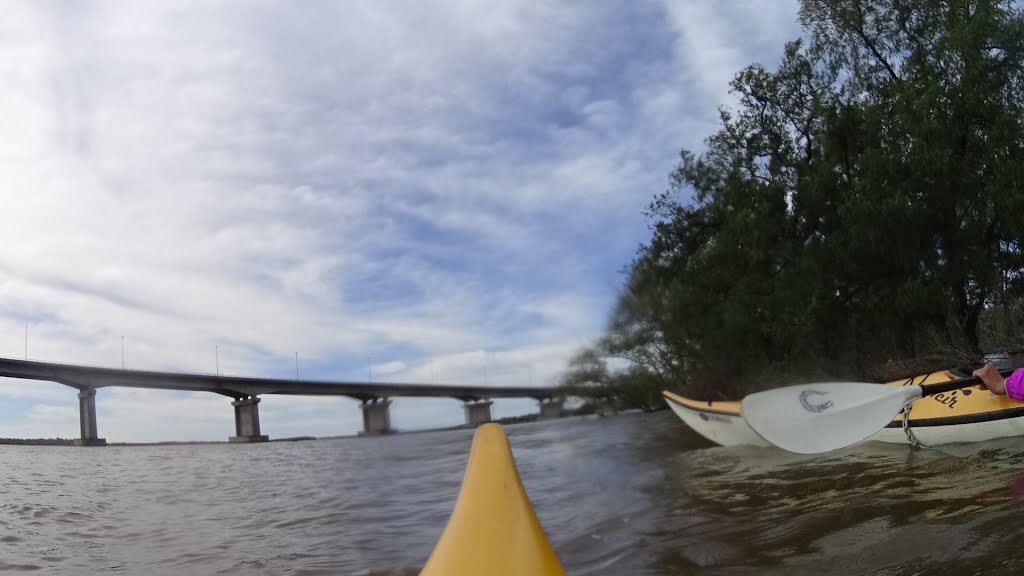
(245, 393)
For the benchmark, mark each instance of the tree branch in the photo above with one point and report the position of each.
(871, 45)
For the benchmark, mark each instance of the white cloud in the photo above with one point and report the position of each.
(715, 40)
(31, 389)
(131, 414)
(51, 414)
(392, 367)
(449, 188)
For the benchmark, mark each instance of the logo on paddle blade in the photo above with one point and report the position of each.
(806, 397)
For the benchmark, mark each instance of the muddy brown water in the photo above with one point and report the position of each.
(630, 494)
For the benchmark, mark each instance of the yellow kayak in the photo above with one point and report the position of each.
(970, 414)
(493, 529)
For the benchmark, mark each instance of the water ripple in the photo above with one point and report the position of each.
(635, 494)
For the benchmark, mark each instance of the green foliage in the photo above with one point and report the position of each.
(589, 379)
(37, 441)
(859, 209)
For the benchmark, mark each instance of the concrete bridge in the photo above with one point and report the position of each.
(245, 392)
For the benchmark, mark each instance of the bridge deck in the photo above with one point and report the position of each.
(87, 377)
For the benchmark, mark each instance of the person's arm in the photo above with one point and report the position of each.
(1014, 384)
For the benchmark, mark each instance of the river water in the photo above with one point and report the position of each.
(631, 494)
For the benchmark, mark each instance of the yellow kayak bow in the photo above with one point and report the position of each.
(493, 529)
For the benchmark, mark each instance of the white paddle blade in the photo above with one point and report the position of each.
(815, 418)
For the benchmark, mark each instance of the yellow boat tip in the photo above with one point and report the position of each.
(493, 529)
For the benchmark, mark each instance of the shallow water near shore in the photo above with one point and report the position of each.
(631, 494)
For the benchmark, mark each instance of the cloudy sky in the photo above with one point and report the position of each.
(441, 191)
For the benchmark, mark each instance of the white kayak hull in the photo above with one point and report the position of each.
(722, 424)
(954, 433)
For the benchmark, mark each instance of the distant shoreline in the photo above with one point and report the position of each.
(70, 441)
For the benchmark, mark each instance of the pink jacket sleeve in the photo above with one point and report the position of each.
(1015, 384)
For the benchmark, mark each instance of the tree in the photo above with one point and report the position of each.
(589, 378)
(860, 208)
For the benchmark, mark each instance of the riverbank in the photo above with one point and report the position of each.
(524, 418)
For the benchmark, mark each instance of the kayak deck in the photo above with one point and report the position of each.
(493, 529)
(972, 403)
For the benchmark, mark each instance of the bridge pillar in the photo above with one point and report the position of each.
(247, 421)
(87, 420)
(376, 417)
(477, 413)
(550, 408)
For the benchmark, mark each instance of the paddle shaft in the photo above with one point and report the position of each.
(931, 389)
